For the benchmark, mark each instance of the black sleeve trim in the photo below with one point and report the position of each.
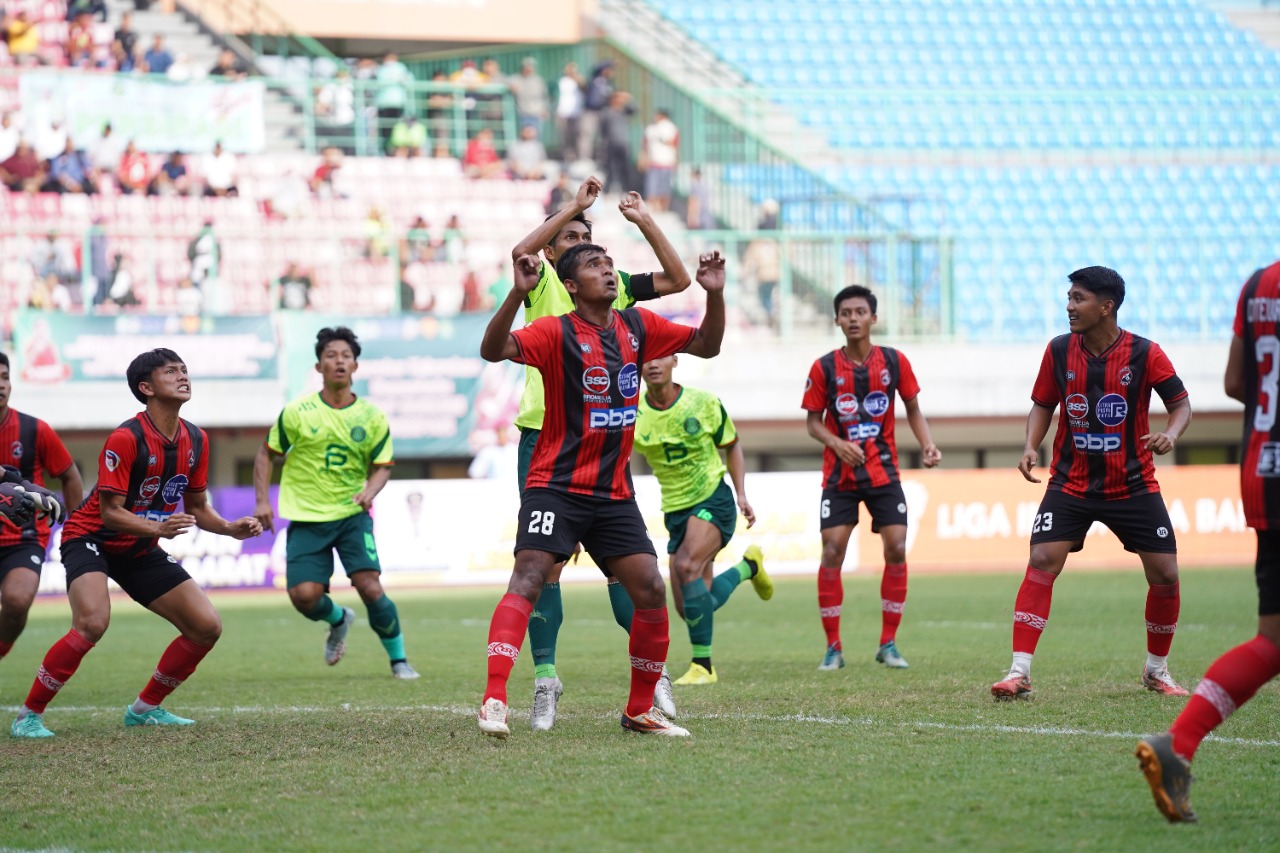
(642, 287)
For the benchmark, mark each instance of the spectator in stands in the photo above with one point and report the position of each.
(289, 198)
(105, 153)
(121, 61)
(205, 254)
(392, 97)
(99, 278)
(228, 66)
(472, 295)
(527, 157)
(562, 192)
(54, 256)
(453, 243)
(23, 39)
(183, 70)
(569, 93)
(23, 171)
(418, 245)
(336, 111)
(615, 133)
(377, 235)
(468, 75)
(9, 136)
(595, 101)
(439, 110)
(294, 288)
(49, 294)
(172, 178)
(498, 461)
(488, 103)
(70, 172)
(321, 182)
(92, 8)
(481, 159)
(134, 174)
(533, 104)
(408, 138)
(126, 40)
(189, 299)
(157, 59)
(50, 139)
(500, 286)
(697, 214)
(659, 157)
(79, 44)
(121, 294)
(219, 169)
(762, 261)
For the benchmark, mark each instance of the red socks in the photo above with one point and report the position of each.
(1229, 683)
(1163, 602)
(893, 598)
(176, 665)
(830, 597)
(60, 663)
(1031, 610)
(506, 634)
(650, 638)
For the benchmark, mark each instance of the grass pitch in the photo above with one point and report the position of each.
(290, 754)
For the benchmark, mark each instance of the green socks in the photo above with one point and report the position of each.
(698, 610)
(623, 609)
(723, 584)
(544, 628)
(745, 570)
(385, 621)
(325, 611)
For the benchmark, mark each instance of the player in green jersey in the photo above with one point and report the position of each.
(681, 431)
(557, 234)
(337, 457)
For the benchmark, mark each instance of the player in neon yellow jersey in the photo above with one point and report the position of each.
(337, 456)
(681, 431)
(561, 231)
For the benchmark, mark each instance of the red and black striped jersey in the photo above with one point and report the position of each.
(591, 388)
(1105, 400)
(30, 445)
(151, 471)
(1257, 322)
(858, 402)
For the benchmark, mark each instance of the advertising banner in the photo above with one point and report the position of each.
(483, 21)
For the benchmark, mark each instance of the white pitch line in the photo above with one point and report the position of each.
(465, 711)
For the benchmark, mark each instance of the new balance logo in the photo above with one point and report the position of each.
(43, 676)
(1219, 698)
(167, 680)
(92, 547)
(505, 649)
(829, 612)
(646, 665)
(1153, 628)
(892, 606)
(1030, 620)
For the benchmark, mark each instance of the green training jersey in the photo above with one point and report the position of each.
(550, 299)
(682, 445)
(328, 453)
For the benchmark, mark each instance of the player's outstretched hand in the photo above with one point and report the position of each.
(176, 525)
(747, 512)
(16, 504)
(243, 528)
(47, 504)
(1158, 443)
(930, 455)
(365, 499)
(265, 516)
(850, 453)
(633, 207)
(525, 273)
(1028, 461)
(710, 271)
(588, 193)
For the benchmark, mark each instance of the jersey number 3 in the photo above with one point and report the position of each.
(1264, 415)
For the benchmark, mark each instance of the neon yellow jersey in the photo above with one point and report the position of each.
(328, 453)
(550, 299)
(682, 445)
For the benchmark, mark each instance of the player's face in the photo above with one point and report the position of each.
(1084, 309)
(658, 371)
(595, 281)
(170, 383)
(569, 236)
(337, 363)
(5, 386)
(855, 318)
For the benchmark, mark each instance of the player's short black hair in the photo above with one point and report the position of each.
(1103, 282)
(141, 368)
(567, 264)
(328, 335)
(581, 217)
(855, 291)
(4, 360)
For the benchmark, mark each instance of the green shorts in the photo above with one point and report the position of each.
(309, 548)
(719, 509)
(524, 453)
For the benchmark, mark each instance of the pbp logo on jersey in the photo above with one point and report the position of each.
(175, 489)
(876, 403)
(613, 418)
(1096, 442)
(149, 489)
(1078, 406)
(1112, 409)
(110, 459)
(847, 404)
(629, 380)
(596, 380)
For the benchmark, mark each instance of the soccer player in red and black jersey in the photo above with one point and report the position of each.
(149, 465)
(579, 484)
(32, 447)
(849, 400)
(1102, 376)
(1253, 377)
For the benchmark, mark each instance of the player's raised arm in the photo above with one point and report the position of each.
(706, 343)
(539, 237)
(674, 278)
(930, 455)
(208, 518)
(1038, 420)
(497, 344)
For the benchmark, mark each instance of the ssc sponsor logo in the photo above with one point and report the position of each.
(596, 380)
(876, 403)
(1096, 442)
(1111, 410)
(629, 380)
(16, 450)
(861, 432)
(1126, 376)
(1268, 459)
(111, 459)
(1078, 406)
(175, 489)
(149, 489)
(613, 418)
(847, 404)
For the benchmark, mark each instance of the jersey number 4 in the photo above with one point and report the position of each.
(1267, 351)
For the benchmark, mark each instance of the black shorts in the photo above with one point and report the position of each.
(1267, 571)
(24, 555)
(145, 576)
(1141, 523)
(556, 521)
(886, 505)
